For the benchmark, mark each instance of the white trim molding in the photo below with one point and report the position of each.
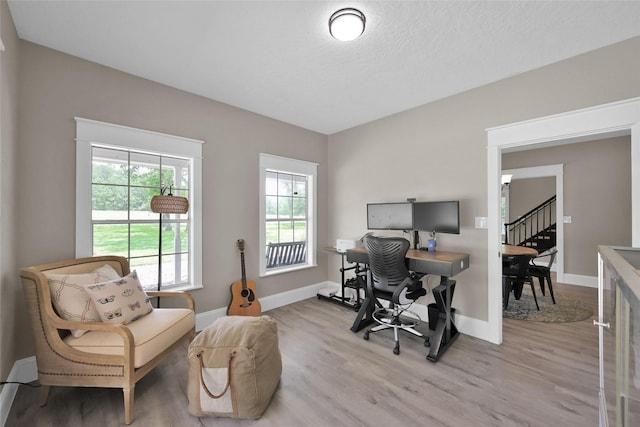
(23, 371)
(267, 303)
(581, 280)
(556, 171)
(598, 122)
(294, 166)
(92, 132)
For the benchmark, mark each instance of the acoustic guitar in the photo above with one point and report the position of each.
(243, 293)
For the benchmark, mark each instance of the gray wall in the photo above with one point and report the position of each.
(526, 194)
(597, 196)
(433, 152)
(437, 151)
(10, 293)
(55, 87)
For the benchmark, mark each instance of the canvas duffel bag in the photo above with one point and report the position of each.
(234, 367)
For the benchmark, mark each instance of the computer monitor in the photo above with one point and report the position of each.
(437, 217)
(389, 216)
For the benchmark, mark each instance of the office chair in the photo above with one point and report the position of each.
(515, 272)
(388, 278)
(543, 272)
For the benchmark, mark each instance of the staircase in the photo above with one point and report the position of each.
(543, 240)
(535, 229)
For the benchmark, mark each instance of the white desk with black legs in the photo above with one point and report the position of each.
(444, 264)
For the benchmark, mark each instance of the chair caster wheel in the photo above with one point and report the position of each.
(366, 336)
(396, 349)
(427, 343)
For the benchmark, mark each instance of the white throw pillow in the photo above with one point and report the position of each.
(70, 299)
(121, 300)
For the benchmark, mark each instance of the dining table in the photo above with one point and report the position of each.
(513, 250)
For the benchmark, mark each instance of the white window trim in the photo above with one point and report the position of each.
(302, 167)
(90, 132)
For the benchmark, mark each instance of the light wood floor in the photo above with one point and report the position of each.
(543, 375)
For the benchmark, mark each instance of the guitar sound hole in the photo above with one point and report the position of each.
(244, 293)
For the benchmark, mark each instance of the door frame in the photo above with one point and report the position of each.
(556, 171)
(588, 124)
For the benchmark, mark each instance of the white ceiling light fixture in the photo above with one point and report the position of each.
(347, 24)
(506, 179)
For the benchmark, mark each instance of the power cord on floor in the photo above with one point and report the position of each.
(18, 382)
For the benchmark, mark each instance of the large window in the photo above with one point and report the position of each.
(119, 170)
(287, 214)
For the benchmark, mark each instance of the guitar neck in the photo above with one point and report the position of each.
(244, 273)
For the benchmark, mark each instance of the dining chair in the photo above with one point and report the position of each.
(515, 273)
(543, 272)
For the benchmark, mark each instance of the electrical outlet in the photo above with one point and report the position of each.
(567, 219)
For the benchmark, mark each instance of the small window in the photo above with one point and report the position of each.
(287, 212)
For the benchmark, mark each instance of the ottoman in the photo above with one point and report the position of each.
(234, 367)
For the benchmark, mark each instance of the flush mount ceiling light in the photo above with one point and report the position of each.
(346, 24)
(506, 179)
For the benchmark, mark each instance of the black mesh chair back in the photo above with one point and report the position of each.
(387, 261)
(388, 278)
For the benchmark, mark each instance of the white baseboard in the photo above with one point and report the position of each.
(473, 327)
(577, 279)
(24, 371)
(466, 325)
(267, 303)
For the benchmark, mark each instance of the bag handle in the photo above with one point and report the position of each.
(226, 387)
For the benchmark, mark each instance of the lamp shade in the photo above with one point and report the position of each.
(169, 204)
(346, 24)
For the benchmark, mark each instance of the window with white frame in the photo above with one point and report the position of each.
(119, 170)
(287, 214)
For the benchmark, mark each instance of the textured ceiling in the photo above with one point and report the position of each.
(276, 58)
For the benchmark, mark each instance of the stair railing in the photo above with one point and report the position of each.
(521, 231)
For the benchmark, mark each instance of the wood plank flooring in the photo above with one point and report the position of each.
(543, 375)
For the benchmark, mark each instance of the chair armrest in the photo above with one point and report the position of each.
(120, 329)
(406, 283)
(187, 297)
(532, 261)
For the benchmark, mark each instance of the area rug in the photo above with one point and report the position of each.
(565, 309)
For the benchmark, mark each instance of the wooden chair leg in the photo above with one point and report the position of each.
(44, 394)
(128, 404)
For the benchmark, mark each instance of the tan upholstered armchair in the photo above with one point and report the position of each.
(94, 353)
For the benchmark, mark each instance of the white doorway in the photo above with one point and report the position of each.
(556, 171)
(608, 120)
